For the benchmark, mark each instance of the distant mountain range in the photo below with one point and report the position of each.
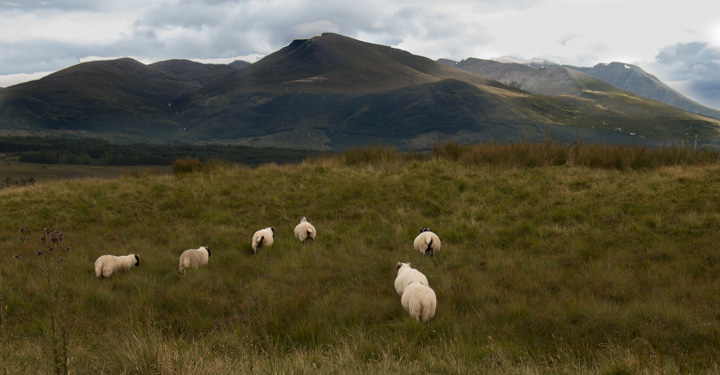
(545, 77)
(334, 92)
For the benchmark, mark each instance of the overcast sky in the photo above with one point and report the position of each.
(677, 41)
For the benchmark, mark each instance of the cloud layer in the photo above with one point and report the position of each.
(696, 66)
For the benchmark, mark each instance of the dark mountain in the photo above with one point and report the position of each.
(334, 92)
(634, 79)
(239, 64)
(119, 99)
(192, 72)
(334, 63)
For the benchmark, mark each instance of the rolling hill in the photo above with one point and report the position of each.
(335, 92)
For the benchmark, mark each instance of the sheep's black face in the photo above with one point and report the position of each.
(424, 230)
(208, 250)
(273, 231)
(137, 260)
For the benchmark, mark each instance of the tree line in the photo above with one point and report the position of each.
(90, 151)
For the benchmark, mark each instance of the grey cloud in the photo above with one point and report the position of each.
(39, 56)
(707, 91)
(25, 6)
(419, 21)
(218, 29)
(696, 66)
(690, 60)
(188, 15)
(227, 28)
(238, 28)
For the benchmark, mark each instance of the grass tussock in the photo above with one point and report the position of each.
(546, 267)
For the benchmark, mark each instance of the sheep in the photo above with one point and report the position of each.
(407, 275)
(427, 242)
(106, 265)
(419, 301)
(194, 258)
(263, 238)
(305, 231)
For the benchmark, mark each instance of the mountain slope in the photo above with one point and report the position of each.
(546, 78)
(117, 99)
(632, 78)
(192, 72)
(338, 64)
(554, 80)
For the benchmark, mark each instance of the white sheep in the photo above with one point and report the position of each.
(419, 301)
(427, 242)
(106, 265)
(305, 231)
(263, 238)
(194, 258)
(407, 275)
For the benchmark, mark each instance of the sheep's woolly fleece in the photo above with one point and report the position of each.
(107, 265)
(194, 258)
(263, 238)
(419, 301)
(305, 231)
(406, 275)
(427, 242)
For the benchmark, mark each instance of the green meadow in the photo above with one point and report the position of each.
(555, 259)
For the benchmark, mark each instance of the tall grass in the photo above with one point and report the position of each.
(546, 267)
(526, 154)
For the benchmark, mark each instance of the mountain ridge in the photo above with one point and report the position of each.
(624, 76)
(330, 92)
(635, 79)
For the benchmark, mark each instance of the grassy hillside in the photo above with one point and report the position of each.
(555, 260)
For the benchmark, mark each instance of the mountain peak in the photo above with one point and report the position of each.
(342, 64)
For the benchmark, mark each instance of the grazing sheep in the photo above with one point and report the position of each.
(407, 275)
(419, 301)
(263, 238)
(427, 242)
(305, 231)
(194, 258)
(106, 265)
